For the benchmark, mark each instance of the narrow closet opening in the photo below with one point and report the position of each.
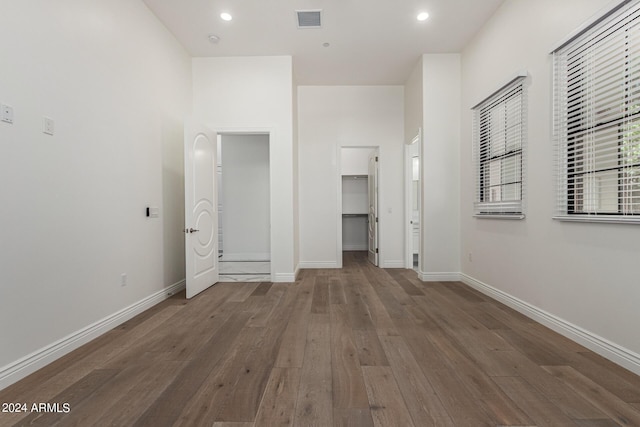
(359, 234)
(413, 203)
(244, 221)
(355, 210)
(415, 206)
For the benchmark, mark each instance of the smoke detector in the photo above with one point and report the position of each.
(309, 18)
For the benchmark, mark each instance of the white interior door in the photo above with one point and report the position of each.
(373, 208)
(201, 216)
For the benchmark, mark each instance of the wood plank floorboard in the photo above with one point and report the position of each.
(387, 406)
(336, 291)
(422, 401)
(358, 346)
(279, 402)
(218, 384)
(294, 340)
(262, 289)
(348, 384)
(314, 406)
(320, 301)
(352, 418)
(600, 397)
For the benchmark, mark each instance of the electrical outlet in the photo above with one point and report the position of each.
(123, 279)
(48, 126)
(6, 113)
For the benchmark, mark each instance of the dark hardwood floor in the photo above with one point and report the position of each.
(360, 346)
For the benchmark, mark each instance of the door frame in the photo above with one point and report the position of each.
(373, 211)
(338, 164)
(226, 130)
(408, 184)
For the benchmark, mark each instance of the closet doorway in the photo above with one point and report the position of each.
(358, 202)
(244, 220)
(413, 208)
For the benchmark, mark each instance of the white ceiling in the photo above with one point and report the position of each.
(372, 42)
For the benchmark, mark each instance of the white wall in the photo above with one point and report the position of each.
(296, 181)
(581, 274)
(72, 217)
(413, 108)
(331, 117)
(245, 190)
(355, 161)
(440, 167)
(413, 123)
(432, 103)
(245, 93)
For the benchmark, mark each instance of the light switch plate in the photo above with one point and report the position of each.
(48, 126)
(6, 113)
(154, 212)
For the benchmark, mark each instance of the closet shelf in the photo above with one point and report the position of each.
(354, 214)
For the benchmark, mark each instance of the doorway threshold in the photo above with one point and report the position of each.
(239, 277)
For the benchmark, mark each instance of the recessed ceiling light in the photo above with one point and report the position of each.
(213, 38)
(225, 16)
(423, 16)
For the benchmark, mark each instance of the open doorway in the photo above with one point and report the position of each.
(413, 203)
(244, 220)
(358, 203)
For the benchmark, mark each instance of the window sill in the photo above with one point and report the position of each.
(600, 219)
(499, 216)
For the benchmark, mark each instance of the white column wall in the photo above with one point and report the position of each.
(296, 181)
(440, 167)
(331, 117)
(244, 93)
(432, 103)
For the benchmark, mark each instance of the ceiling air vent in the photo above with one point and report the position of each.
(309, 18)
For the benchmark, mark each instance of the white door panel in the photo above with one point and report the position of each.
(201, 216)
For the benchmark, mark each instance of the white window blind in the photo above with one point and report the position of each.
(597, 120)
(499, 152)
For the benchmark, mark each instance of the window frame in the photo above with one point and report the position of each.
(511, 131)
(596, 127)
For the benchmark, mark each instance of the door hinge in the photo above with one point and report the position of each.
(376, 219)
(376, 250)
(376, 158)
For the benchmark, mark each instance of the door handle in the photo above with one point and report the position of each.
(193, 230)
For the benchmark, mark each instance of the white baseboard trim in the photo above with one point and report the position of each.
(284, 278)
(605, 348)
(393, 264)
(318, 264)
(19, 369)
(439, 277)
